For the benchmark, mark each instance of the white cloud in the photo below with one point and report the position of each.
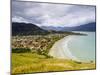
(71, 19)
(19, 19)
(44, 14)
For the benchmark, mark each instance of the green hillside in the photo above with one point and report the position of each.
(32, 62)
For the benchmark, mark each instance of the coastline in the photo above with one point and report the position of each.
(60, 49)
(33, 62)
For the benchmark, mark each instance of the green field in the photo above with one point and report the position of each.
(32, 62)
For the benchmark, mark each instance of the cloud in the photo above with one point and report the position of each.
(19, 19)
(45, 14)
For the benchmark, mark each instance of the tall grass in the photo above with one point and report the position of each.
(32, 62)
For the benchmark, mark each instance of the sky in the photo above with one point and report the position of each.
(49, 14)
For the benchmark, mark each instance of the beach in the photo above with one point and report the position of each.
(75, 47)
(60, 49)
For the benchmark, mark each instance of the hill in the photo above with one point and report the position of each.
(27, 29)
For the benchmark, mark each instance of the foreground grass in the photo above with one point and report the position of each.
(32, 62)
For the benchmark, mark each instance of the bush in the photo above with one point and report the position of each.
(78, 62)
(20, 50)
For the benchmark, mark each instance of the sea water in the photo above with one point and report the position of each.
(83, 47)
(75, 47)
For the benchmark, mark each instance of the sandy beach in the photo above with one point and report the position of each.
(60, 49)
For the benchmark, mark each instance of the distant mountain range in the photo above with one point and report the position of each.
(32, 29)
(27, 29)
(85, 27)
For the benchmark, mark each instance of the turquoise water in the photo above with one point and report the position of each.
(83, 47)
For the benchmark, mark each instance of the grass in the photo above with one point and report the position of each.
(33, 62)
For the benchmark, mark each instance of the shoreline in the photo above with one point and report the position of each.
(67, 54)
(63, 50)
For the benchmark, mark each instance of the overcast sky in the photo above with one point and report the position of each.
(44, 14)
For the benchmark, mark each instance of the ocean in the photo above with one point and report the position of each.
(75, 47)
(83, 47)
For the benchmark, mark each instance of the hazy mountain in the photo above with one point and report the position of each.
(32, 29)
(85, 27)
(27, 29)
(52, 28)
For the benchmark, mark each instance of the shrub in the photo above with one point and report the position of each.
(20, 50)
(78, 62)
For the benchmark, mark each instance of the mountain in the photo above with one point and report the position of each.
(27, 29)
(52, 28)
(32, 29)
(85, 27)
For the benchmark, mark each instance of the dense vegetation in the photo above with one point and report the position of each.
(27, 29)
(20, 50)
(36, 44)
